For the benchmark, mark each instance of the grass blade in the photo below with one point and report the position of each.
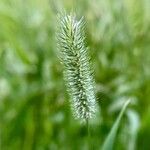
(108, 144)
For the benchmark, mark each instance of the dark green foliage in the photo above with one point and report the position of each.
(34, 108)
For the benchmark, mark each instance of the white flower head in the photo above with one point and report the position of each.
(77, 72)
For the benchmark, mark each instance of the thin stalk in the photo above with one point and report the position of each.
(88, 135)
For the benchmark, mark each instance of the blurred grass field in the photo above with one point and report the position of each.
(34, 105)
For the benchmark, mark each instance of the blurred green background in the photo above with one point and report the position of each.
(34, 105)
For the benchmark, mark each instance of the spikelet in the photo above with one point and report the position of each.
(77, 72)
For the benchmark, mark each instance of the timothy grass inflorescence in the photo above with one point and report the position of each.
(77, 72)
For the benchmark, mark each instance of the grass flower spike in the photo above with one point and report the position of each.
(77, 72)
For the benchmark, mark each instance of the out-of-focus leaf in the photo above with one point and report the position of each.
(134, 123)
(109, 142)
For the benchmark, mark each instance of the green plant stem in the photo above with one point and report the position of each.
(88, 135)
